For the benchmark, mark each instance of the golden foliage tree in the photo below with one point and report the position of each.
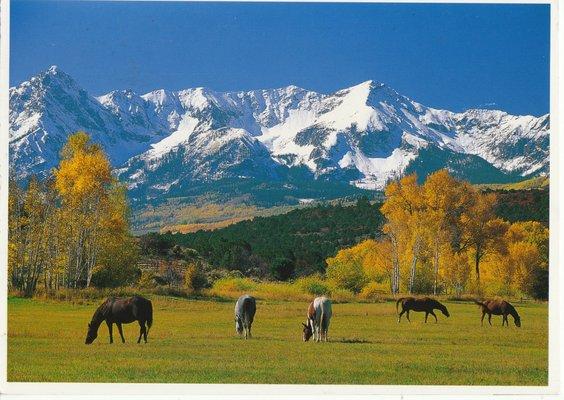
(65, 228)
(94, 207)
(483, 231)
(404, 228)
(345, 270)
(446, 199)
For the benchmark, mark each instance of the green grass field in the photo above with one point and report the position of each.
(195, 342)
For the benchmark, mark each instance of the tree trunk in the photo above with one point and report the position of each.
(436, 264)
(477, 263)
(412, 274)
(395, 270)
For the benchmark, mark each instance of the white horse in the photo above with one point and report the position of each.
(245, 310)
(318, 318)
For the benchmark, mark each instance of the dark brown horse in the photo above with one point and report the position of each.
(425, 304)
(498, 307)
(121, 311)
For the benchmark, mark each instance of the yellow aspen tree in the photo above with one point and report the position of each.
(482, 230)
(400, 209)
(83, 181)
(446, 198)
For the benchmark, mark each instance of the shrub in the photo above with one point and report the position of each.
(313, 285)
(346, 273)
(374, 291)
(194, 277)
(114, 276)
(147, 280)
(231, 286)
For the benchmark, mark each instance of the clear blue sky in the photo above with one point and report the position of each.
(442, 55)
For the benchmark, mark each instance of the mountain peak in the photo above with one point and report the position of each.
(54, 77)
(53, 69)
(372, 84)
(365, 88)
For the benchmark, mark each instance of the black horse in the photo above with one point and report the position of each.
(121, 311)
(425, 304)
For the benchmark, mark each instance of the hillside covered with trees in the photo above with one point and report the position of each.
(281, 246)
(310, 240)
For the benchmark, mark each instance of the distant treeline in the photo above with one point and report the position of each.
(523, 205)
(299, 242)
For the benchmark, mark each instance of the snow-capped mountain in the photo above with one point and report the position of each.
(49, 107)
(165, 142)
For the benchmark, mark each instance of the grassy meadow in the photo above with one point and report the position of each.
(194, 341)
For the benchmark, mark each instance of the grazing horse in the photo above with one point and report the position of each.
(498, 307)
(425, 304)
(121, 311)
(245, 310)
(318, 317)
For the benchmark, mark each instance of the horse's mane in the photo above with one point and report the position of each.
(437, 304)
(100, 312)
(513, 311)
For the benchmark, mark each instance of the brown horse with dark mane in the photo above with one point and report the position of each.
(122, 311)
(425, 304)
(498, 307)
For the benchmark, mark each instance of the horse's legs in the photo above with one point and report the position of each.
(141, 329)
(401, 313)
(504, 321)
(407, 316)
(120, 332)
(483, 315)
(250, 336)
(144, 332)
(490, 319)
(110, 329)
(434, 315)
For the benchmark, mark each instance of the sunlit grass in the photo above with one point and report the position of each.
(195, 342)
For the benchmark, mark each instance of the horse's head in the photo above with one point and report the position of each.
(91, 335)
(444, 311)
(307, 332)
(517, 320)
(238, 325)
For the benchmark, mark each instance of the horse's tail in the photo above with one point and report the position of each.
(324, 323)
(397, 304)
(149, 315)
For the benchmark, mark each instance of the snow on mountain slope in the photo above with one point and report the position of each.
(49, 107)
(363, 135)
(511, 143)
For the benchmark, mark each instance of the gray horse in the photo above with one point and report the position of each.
(245, 310)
